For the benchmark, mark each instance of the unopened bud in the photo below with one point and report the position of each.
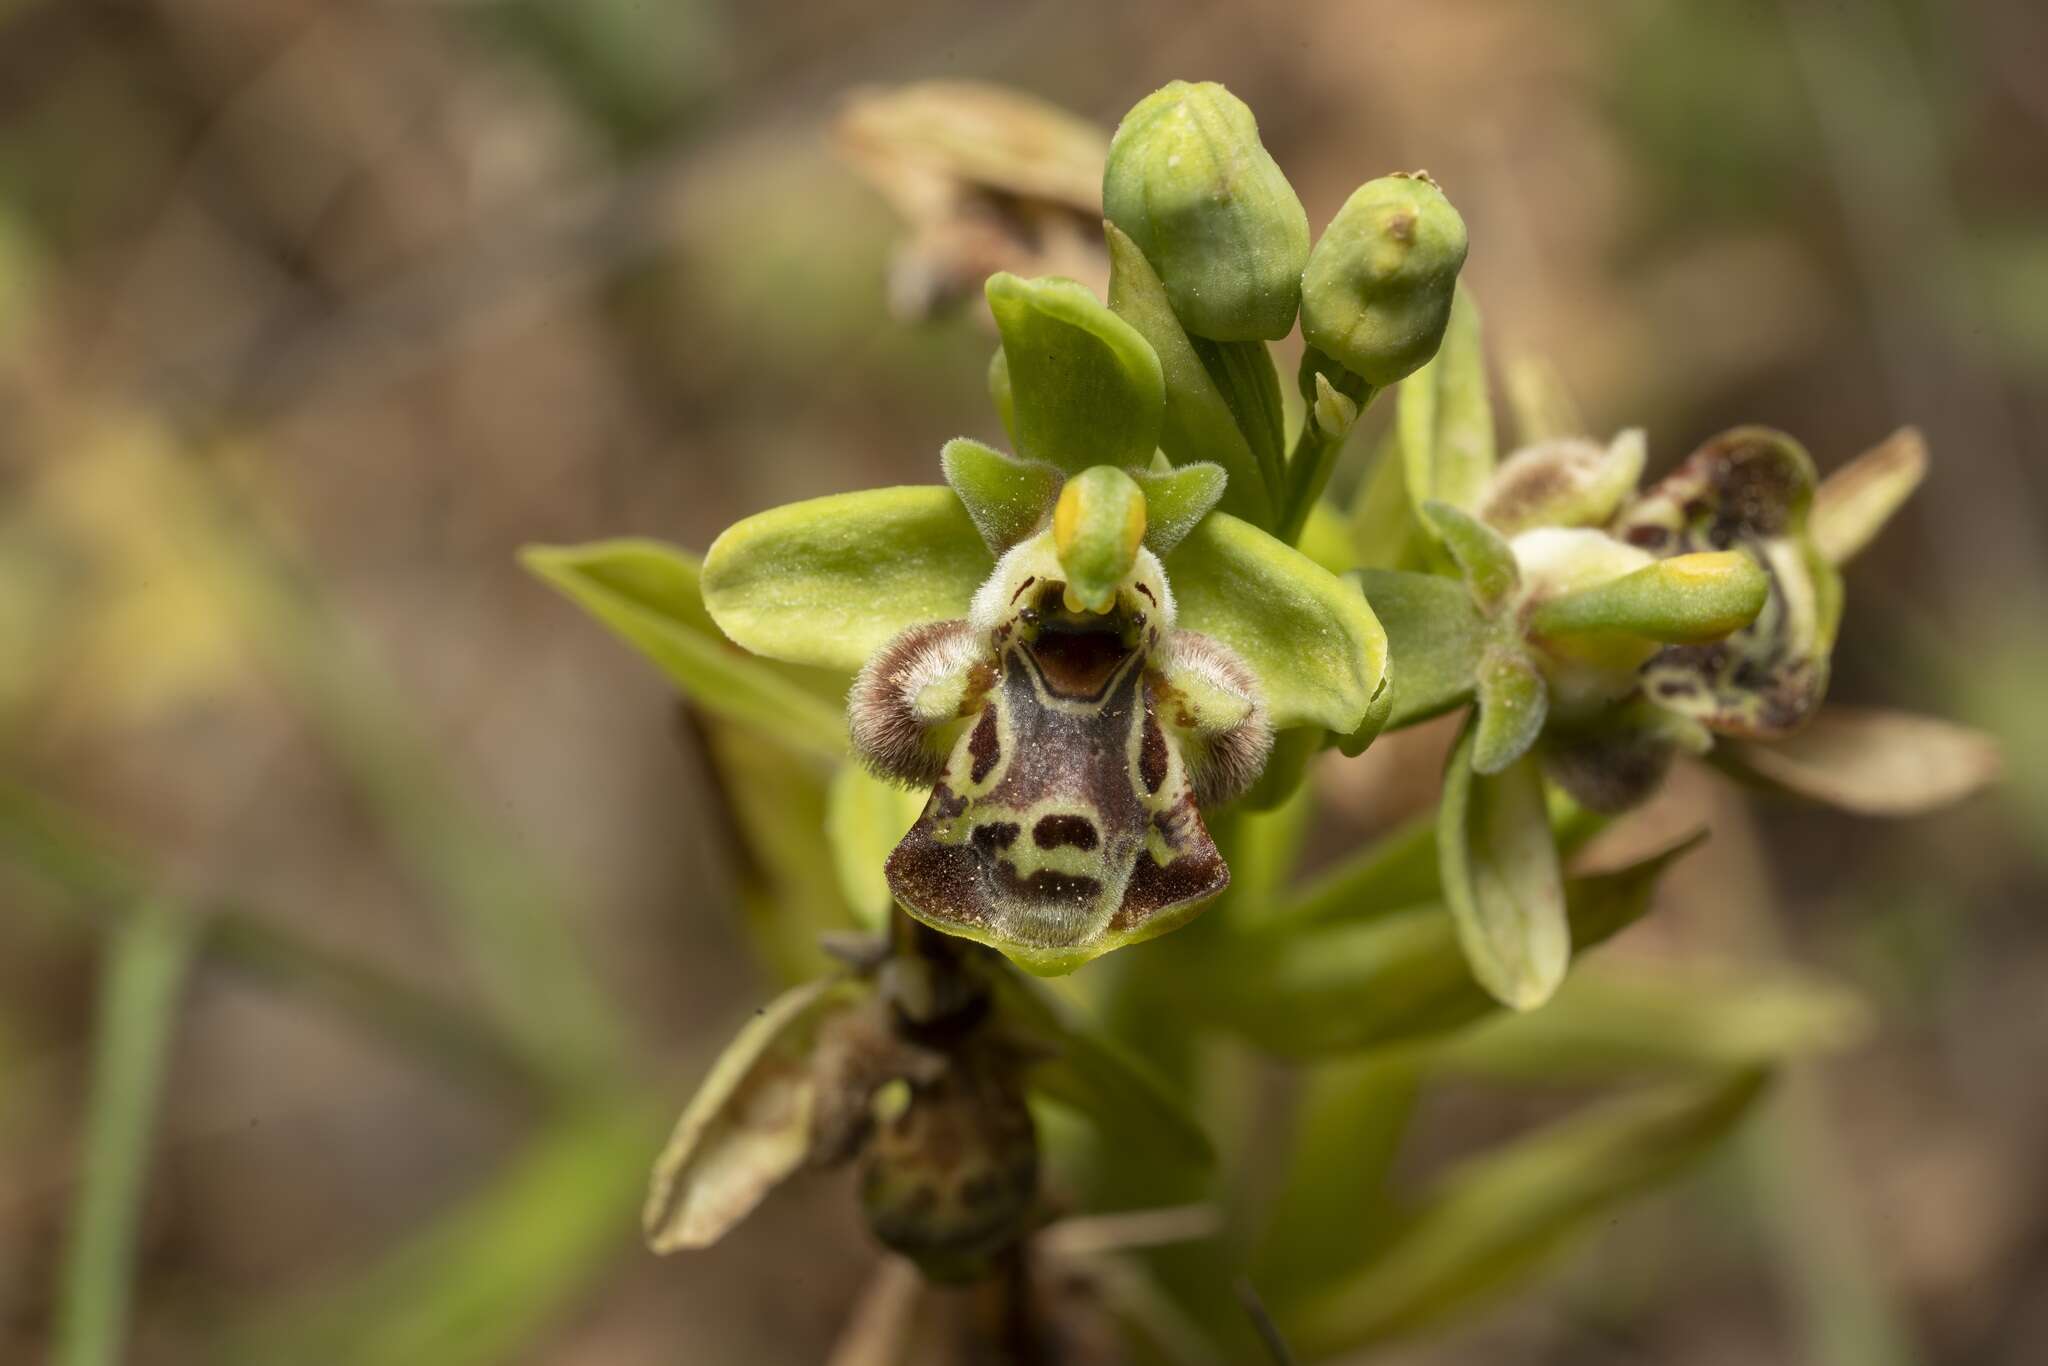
(1377, 292)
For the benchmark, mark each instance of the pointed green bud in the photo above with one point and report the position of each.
(1097, 526)
(1377, 291)
(1685, 600)
(1191, 184)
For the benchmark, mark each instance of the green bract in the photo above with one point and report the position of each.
(1191, 184)
(1377, 292)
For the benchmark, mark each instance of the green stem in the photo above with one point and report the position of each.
(145, 970)
(1314, 457)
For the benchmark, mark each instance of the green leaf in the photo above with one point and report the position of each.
(1086, 385)
(1685, 600)
(830, 581)
(1315, 645)
(1435, 640)
(1008, 499)
(148, 960)
(647, 593)
(1482, 556)
(1381, 522)
(1626, 1023)
(1243, 373)
(747, 1128)
(865, 818)
(1513, 702)
(1853, 504)
(1870, 761)
(1091, 1073)
(1445, 419)
(1357, 977)
(1175, 500)
(1495, 1220)
(1501, 878)
(1198, 425)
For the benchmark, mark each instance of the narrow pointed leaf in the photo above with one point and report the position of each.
(1008, 499)
(1445, 417)
(1435, 641)
(648, 593)
(1085, 385)
(1091, 1073)
(1493, 1222)
(1513, 701)
(1351, 980)
(1872, 762)
(1501, 878)
(1197, 424)
(1853, 504)
(830, 581)
(1315, 645)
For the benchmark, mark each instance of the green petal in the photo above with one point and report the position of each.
(1175, 500)
(747, 1128)
(865, 817)
(1501, 878)
(1008, 499)
(1198, 425)
(1086, 385)
(1309, 636)
(1445, 419)
(1685, 600)
(1483, 557)
(648, 593)
(830, 581)
(1435, 640)
(1513, 701)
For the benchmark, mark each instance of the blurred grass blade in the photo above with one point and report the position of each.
(1336, 1205)
(1608, 1024)
(1496, 1220)
(1870, 761)
(1501, 876)
(1306, 989)
(649, 595)
(146, 962)
(481, 1283)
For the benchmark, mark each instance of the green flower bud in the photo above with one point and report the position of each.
(1190, 183)
(1377, 292)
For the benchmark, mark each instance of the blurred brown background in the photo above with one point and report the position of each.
(311, 313)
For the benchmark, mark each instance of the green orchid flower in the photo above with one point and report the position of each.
(1071, 648)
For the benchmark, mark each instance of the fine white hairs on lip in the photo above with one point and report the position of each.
(889, 730)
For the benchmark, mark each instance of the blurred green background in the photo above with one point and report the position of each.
(312, 312)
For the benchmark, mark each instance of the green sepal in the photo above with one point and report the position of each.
(1085, 385)
(1685, 600)
(1198, 424)
(1008, 498)
(1435, 641)
(747, 1128)
(1481, 555)
(649, 595)
(1445, 418)
(1501, 877)
(1358, 741)
(830, 581)
(1513, 702)
(1176, 500)
(865, 818)
(1497, 1218)
(1311, 639)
